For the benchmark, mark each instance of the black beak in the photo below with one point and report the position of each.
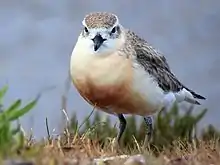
(98, 40)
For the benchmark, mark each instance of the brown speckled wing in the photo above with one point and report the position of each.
(156, 65)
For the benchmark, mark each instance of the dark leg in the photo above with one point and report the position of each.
(122, 126)
(149, 122)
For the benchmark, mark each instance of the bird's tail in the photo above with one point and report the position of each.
(195, 96)
(191, 100)
(189, 96)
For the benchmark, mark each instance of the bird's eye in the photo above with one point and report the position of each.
(86, 30)
(113, 30)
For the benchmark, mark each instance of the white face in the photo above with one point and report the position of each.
(109, 40)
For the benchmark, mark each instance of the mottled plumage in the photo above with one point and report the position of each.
(156, 65)
(100, 20)
(120, 73)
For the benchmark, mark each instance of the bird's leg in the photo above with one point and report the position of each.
(122, 126)
(149, 122)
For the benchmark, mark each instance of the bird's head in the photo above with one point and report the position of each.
(102, 33)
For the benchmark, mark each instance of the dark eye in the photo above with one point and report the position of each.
(113, 30)
(86, 30)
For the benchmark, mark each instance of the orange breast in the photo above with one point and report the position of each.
(108, 83)
(120, 98)
(102, 96)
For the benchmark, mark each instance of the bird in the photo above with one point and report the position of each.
(120, 73)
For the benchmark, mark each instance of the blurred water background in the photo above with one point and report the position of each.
(37, 37)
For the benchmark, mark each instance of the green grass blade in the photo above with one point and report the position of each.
(16, 114)
(201, 115)
(3, 92)
(13, 107)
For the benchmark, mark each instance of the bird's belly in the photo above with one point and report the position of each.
(118, 98)
(114, 86)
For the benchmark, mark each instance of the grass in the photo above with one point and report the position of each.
(174, 140)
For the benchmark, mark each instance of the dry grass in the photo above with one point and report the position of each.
(82, 150)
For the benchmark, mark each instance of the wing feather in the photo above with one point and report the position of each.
(156, 65)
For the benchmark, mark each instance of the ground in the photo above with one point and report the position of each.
(81, 150)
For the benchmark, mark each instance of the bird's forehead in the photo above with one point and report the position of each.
(100, 20)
